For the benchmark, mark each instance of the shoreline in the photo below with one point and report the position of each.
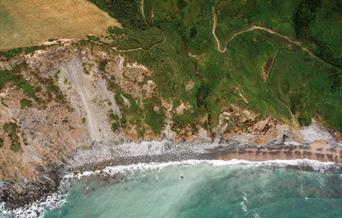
(114, 173)
(18, 195)
(226, 153)
(282, 153)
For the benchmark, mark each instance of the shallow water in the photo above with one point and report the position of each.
(205, 190)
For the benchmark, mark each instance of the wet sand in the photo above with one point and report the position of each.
(316, 151)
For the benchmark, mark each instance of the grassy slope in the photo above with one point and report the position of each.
(297, 84)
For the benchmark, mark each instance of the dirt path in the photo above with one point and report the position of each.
(260, 28)
(140, 48)
(218, 44)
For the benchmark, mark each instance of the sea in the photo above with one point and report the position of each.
(199, 189)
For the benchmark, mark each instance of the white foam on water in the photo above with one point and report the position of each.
(256, 215)
(58, 199)
(38, 208)
(316, 165)
(244, 203)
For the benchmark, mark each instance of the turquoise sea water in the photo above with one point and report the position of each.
(208, 191)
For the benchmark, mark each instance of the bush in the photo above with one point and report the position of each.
(55, 91)
(11, 130)
(115, 126)
(16, 51)
(18, 81)
(113, 116)
(24, 103)
(11, 53)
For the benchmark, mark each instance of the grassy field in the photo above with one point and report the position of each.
(26, 23)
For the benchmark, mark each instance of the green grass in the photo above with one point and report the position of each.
(325, 32)
(249, 53)
(296, 85)
(127, 13)
(125, 39)
(234, 16)
(154, 115)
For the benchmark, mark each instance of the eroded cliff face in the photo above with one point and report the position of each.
(72, 104)
(73, 96)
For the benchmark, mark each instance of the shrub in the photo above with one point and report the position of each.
(25, 103)
(11, 130)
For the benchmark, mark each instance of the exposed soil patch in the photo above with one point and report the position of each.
(266, 68)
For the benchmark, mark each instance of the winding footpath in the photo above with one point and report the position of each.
(218, 44)
(140, 48)
(260, 28)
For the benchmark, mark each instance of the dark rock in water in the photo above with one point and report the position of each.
(19, 193)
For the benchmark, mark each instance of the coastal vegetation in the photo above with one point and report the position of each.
(279, 59)
(11, 130)
(14, 52)
(25, 103)
(18, 81)
(35, 89)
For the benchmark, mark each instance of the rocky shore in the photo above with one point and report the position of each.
(19, 193)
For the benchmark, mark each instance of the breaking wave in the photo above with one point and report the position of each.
(58, 199)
